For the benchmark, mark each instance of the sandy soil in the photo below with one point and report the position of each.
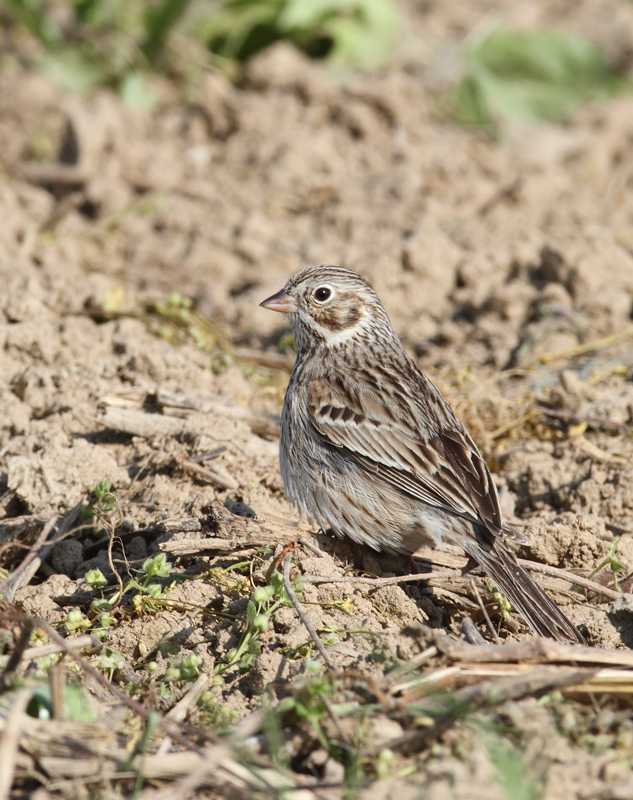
(489, 257)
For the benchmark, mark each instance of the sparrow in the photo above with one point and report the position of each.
(370, 449)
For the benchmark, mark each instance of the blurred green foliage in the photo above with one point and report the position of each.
(88, 43)
(355, 31)
(528, 77)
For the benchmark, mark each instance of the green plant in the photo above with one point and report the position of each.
(119, 43)
(98, 512)
(264, 601)
(110, 660)
(357, 31)
(102, 42)
(214, 714)
(75, 621)
(148, 597)
(189, 665)
(614, 565)
(528, 77)
(175, 320)
(311, 704)
(503, 604)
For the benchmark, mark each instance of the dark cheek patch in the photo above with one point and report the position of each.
(340, 319)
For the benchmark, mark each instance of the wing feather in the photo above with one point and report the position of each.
(444, 469)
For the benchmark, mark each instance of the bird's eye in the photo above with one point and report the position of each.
(323, 294)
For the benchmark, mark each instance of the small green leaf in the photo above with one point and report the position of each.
(157, 567)
(95, 578)
(136, 92)
(189, 667)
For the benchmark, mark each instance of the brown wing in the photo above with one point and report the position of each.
(437, 463)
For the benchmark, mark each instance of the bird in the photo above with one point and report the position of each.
(370, 449)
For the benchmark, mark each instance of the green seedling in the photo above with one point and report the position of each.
(142, 748)
(610, 561)
(110, 660)
(307, 704)
(264, 601)
(95, 579)
(189, 667)
(311, 704)
(503, 604)
(187, 670)
(75, 621)
(384, 763)
(215, 715)
(148, 597)
(98, 512)
(102, 43)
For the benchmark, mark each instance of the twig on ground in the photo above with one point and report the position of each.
(115, 572)
(398, 673)
(12, 583)
(182, 547)
(577, 419)
(312, 547)
(317, 641)
(76, 643)
(43, 173)
(57, 685)
(334, 717)
(301, 613)
(38, 552)
(486, 695)
(179, 711)
(120, 695)
(213, 475)
(10, 740)
(471, 632)
(10, 614)
(277, 560)
(556, 572)
(351, 675)
(484, 611)
(588, 347)
(536, 650)
(490, 437)
(379, 582)
(213, 758)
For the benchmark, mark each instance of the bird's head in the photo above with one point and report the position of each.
(329, 305)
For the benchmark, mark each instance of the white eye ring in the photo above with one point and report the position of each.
(322, 294)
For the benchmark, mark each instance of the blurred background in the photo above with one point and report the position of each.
(473, 160)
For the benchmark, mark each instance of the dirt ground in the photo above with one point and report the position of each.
(496, 261)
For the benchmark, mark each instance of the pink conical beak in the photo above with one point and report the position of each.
(282, 302)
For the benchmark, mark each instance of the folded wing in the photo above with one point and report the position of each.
(444, 470)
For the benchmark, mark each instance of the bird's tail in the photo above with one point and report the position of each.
(540, 612)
